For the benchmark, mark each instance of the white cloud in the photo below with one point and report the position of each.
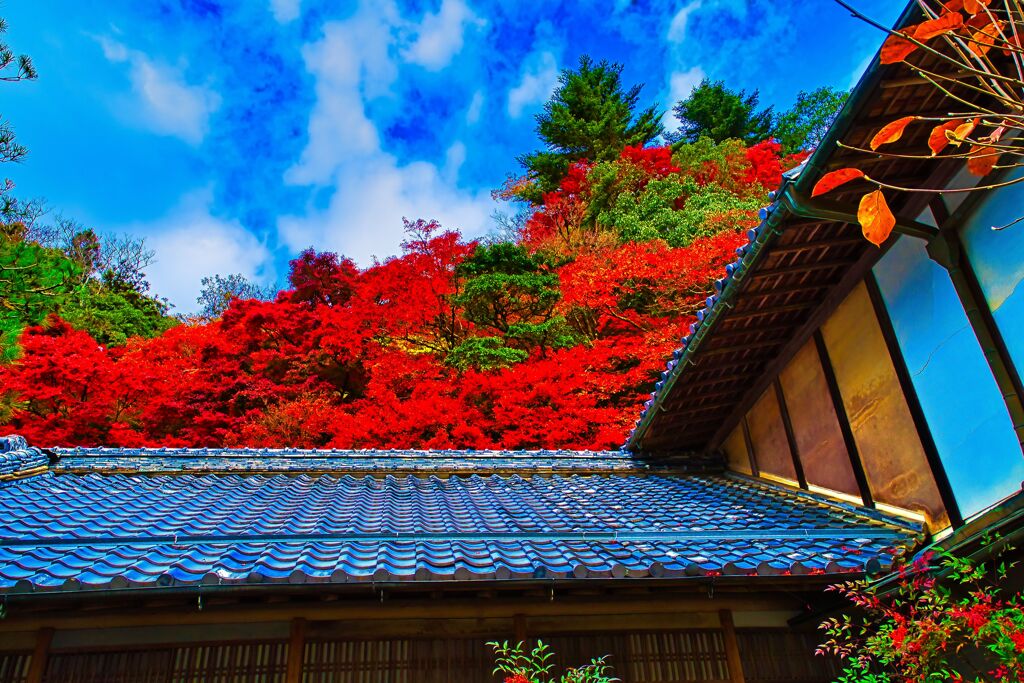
(369, 190)
(350, 62)
(681, 83)
(539, 80)
(677, 29)
(364, 218)
(454, 157)
(191, 243)
(166, 104)
(285, 10)
(476, 106)
(439, 37)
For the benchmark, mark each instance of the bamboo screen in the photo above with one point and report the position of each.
(251, 662)
(771, 656)
(683, 656)
(14, 666)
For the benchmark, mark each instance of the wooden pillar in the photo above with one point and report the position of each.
(519, 625)
(296, 651)
(732, 646)
(41, 652)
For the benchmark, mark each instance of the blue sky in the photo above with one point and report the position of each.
(231, 135)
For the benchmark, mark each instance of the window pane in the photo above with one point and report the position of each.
(995, 256)
(771, 449)
(819, 439)
(959, 396)
(894, 462)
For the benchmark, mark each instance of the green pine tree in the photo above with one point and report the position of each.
(589, 117)
(714, 111)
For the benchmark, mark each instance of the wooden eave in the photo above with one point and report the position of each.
(803, 270)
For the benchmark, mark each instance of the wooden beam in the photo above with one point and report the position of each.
(519, 627)
(795, 341)
(788, 289)
(768, 310)
(797, 247)
(763, 273)
(692, 409)
(40, 654)
(671, 406)
(296, 651)
(755, 469)
(735, 348)
(710, 381)
(787, 424)
(899, 363)
(852, 451)
(607, 607)
(732, 647)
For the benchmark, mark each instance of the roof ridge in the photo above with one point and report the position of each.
(175, 451)
(164, 460)
(19, 460)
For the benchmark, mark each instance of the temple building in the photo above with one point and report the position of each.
(835, 404)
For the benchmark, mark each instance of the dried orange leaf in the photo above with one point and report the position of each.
(876, 220)
(891, 132)
(831, 181)
(972, 7)
(980, 20)
(896, 48)
(982, 160)
(961, 132)
(938, 141)
(948, 22)
(984, 40)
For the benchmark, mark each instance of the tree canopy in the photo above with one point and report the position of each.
(549, 337)
(590, 117)
(804, 125)
(712, 110)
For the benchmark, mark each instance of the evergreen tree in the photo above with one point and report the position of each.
(34, 282)
(513, 293)
(803, 127)
(12, 68)
(714, 111)
(589, 117)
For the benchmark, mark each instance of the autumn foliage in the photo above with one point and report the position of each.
(970, 52)
(550, 341)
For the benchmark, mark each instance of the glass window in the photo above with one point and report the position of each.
(961, 402)
(768, 435)
(894, 461)
(995, 257)
(819, 439)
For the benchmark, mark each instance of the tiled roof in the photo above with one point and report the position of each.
(78, 527)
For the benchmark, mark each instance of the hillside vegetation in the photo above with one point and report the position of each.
(547, 335)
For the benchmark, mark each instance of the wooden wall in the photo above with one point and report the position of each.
(684, 655)
(836, 421)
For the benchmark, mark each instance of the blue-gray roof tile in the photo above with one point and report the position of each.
(97, 520)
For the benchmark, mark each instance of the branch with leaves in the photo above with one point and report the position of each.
(940, 617)
(979, 46)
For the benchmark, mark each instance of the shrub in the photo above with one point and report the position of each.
(532, 666)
